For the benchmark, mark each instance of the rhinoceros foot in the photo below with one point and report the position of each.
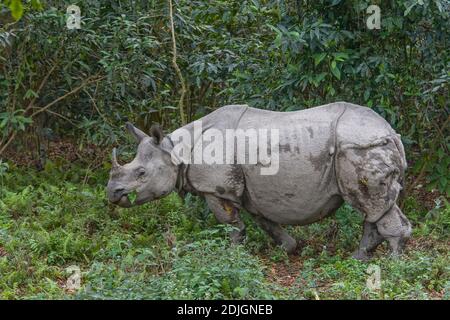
(362, 255)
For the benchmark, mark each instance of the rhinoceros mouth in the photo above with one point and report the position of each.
(128, 200)
(132, 199)
(124, 202)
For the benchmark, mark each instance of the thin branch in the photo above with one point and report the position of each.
(61, 116)
(71, 92)
(43, 82)
(96, 108)
(11, 138)
(176, 67)
(45, 108)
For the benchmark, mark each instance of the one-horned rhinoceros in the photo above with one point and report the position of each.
(319, 158)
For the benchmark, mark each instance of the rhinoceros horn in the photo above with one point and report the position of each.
(115, 164)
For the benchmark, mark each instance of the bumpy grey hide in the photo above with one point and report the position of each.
(327, 155)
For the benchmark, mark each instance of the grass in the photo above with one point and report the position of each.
(60, 217)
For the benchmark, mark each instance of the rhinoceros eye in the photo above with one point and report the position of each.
(140, 172)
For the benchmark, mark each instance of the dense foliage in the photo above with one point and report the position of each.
(280, 55)
(80, 85)
(50, 221)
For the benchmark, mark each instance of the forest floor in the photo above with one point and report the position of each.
(61, 239)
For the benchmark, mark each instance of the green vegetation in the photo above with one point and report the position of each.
(65, 94)
(50, 221)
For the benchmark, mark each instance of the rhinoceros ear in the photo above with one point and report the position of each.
(135, 132)
(156, 132)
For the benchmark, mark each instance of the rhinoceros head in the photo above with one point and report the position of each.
(151, 174)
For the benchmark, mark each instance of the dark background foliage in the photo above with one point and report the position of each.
(278, 55)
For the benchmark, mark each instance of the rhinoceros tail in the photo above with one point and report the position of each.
(401, 149)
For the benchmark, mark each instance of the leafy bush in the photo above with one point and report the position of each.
(205, 269)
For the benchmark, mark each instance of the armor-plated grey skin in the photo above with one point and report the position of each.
(327, 155)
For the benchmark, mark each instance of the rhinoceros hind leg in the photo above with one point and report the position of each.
(278, 234)
(370, 180)
(227, 213)
(370, 240)
(395, 228)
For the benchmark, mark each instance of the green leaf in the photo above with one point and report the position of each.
(340, 56)
(295, 34)
(335, 70)
(36, 5)
(132, 196)
(4, 123)
(278, 40)
(30, 93)
(331, 90)
(16, 8)
(408, 9)
(318, 78)
(319, 57)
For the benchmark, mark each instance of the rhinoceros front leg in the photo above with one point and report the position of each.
(226, 212)
(280, 235)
